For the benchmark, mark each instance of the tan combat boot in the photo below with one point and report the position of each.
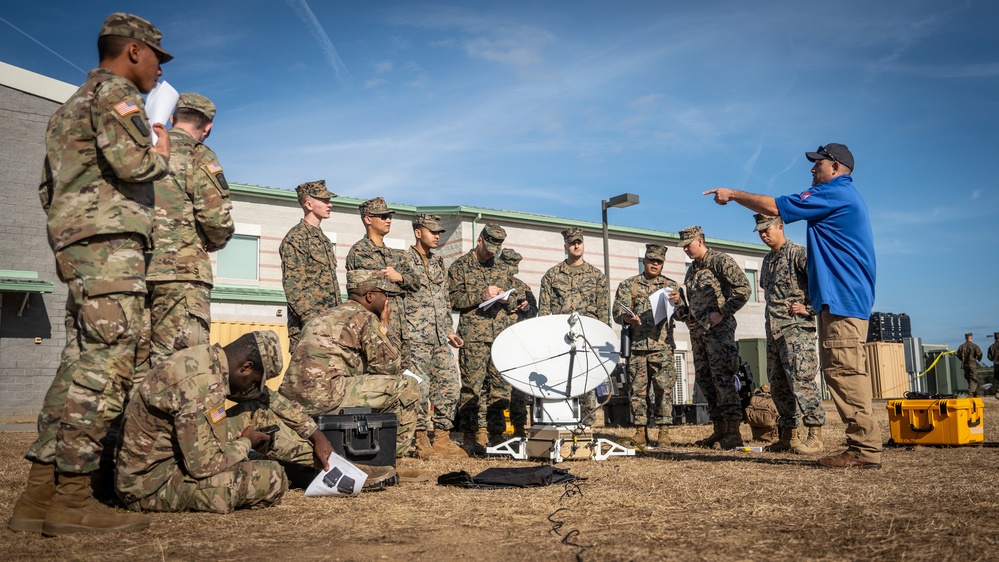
(662, 439)
(423, 448)
(444, 446)
(408, 472)
(732, 438)
(812, 444)
(74, 510)
(719, 432)
(640, 438)
(30, 509)
(379, 477)
(787, 442)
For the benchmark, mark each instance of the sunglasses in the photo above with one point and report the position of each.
(383, 216)
(821, 151)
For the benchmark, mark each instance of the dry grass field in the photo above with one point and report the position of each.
(681, 503)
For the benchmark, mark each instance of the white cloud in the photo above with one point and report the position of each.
(304, 13)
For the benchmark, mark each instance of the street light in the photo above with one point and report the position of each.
(620, 202)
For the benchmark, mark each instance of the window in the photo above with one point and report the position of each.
(641, 265)
(753, 286)
(239, 259)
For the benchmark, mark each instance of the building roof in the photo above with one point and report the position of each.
(35, 84)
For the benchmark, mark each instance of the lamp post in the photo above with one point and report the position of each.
(620, 202)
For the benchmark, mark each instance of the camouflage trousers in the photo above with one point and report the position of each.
(484, 393)
(106, 320)
(716, 362)
(179, 315)
(655, 369)
(397, 394)
(440, 388)
(971, 375)
(792, 365)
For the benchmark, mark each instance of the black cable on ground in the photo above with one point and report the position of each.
(572, 489)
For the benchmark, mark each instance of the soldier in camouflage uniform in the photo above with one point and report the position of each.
(308, 262)
(575, 286)
(97, 190)
(527, 307)
(430, 330)
(716, 289)
(182, 450)
(792, 363)
(192, 219)
(994, 358)
(651, 345)
(970, 354)
(348, 358)
(473, 279)
(371, 253)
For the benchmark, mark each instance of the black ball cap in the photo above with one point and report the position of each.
(832, 151)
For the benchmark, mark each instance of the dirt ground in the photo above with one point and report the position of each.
(683, 503)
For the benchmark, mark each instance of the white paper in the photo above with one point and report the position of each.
(502, 296)
(408, 373)
(626, 310)
(160, 103)
(662, 308)
(342, 479)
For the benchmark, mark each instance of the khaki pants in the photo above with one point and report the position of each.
(841, 354)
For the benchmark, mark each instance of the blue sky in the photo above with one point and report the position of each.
(549, 107)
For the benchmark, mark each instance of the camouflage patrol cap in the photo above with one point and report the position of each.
(996, 335)
(690, 234)
(493, 236)
(429, 222)
(134, 27)
(510, 257)
(763, 222)
(572, 234)
(655, 252)
(270, 354)
(315, 189)
(375, 206)
(198, 103)
(968, 335)
(366, 280)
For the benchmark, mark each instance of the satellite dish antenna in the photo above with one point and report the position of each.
(556, 359)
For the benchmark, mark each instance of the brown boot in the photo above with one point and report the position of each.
(662, 439)
(30, 509)
(423, 448)
(640, 438)
(719, 432)
(409, 473)
(475, 443)
(812, 444)
(74, 510)
(445, 447)
(787, 442)
(379, 477)
(732, 438)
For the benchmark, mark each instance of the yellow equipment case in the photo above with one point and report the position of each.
(937, 421)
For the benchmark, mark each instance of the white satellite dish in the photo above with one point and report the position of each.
(535, 355)
(556, 359)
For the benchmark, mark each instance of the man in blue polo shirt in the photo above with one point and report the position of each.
(841, 275)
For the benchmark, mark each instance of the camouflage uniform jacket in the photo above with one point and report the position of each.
(785, 281)
(994, 353)
(970, 354)
(99, 165)
(342, 342)
(524, 292)
(308, 274)
(715, 283)
(566, 289)
(366, 255)
(428, 310)
(175, 424)
(467, 280)
(193, 213)
(634, 293)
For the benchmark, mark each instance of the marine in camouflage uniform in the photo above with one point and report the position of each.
(994, 358)
(182, 450)
(370, 253)
(97, 191)
(472, 279)
(308, 262)
(527, 307)
(716, 289)
(193, 217)
(970, 354)
(575, 286)
(652, 344)
(430, 330)
(792, 361)
(347, 358)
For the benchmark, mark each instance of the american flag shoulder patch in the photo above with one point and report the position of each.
(126, 107)
(218, 413)
(214, 167)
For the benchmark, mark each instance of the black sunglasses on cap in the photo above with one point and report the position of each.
(821, 151)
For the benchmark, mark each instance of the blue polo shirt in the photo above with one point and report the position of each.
(841, 263)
